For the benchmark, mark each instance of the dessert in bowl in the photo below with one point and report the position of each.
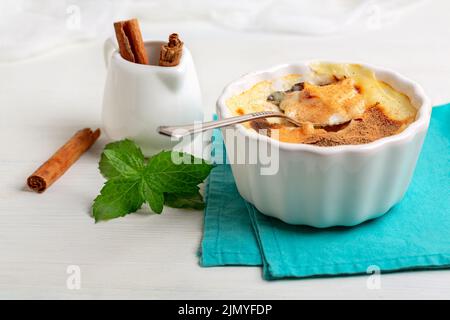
(353, 156)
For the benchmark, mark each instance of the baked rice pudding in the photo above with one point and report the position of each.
(356, 106)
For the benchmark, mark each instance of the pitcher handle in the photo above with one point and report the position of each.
(108, 48)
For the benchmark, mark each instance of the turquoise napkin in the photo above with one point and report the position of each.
(415, 234)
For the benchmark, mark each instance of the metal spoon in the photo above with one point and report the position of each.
(184, 130)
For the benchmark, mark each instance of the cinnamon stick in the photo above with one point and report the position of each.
(59, 162)
(171, 52)
(131, 44)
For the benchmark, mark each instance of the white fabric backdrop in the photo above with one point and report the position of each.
(30, 27)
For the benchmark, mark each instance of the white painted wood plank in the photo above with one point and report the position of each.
(44, 100)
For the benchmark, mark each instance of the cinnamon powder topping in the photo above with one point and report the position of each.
(373, 125)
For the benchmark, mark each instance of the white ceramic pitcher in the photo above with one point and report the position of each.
(139, 98)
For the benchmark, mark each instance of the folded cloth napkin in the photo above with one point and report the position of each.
(414, 234)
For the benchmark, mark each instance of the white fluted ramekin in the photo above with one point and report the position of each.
(328, 186)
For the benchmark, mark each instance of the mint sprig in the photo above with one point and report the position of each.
(184, 200)
(133, 181)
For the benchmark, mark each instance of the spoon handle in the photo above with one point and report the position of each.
(184, 130)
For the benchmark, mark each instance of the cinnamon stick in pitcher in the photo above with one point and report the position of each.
(63, 158)
(171, 52)
(131, 44)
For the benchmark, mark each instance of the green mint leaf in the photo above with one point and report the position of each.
(167, 176)
(118, 197)
(184, 200)
(153, 197)
(161, 181)
(121, 159)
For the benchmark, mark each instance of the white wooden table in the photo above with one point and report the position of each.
(44, 100)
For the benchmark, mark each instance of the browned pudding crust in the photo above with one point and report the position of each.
(336, 104)
(374, 124)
